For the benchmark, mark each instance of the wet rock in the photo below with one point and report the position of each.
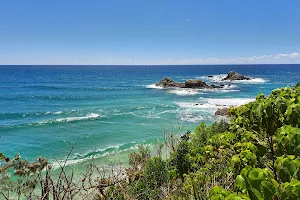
(194, 84)
(232, 76)
(222, 111)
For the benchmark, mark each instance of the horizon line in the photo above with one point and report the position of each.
(146, 64)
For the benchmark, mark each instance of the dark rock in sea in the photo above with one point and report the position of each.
(210, 76)
(167, 83)
(222, 111)
(194, 84)
(232, 76)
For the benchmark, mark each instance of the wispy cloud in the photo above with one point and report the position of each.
(282, 58)
(292, 58)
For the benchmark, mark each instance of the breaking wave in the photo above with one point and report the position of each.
(88, 117)
(184, 92)
(73, 119)
(99, 153)
(153, 86)
(219, 77)
(191, 92)
(204, 109)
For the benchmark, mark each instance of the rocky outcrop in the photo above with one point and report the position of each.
(167, 82)
(195, 84)
(232, 76)
(222, 111)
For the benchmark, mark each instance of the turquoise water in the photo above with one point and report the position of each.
(107, 110)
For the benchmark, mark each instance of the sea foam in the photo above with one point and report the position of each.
(153, 86)
(215, 103)
(191, 92)
(229, 101)
(206, 107)
(112, 150)
(184, 92)
(73, 119)
(196, 105)
(219, 77)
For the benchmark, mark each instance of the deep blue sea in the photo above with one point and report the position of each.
(107, 110)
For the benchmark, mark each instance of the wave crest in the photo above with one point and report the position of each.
(184, 92)
(88, 117)
(73, 119)
(219, 77)
(205, 108)
(153, 86)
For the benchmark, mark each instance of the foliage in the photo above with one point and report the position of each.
(288, 140)
(180, 159)
(203, 132)
(155, 175)
(258, 153)
(257, 183)
(290, 190)
(138, 159)
(288, 168)
(218, 193)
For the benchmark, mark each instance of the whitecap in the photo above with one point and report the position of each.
(190, 117)
(73, 119)
(208, 103)
(229, 101)
(253, 80)
(206, 107)
(153, 86)
(229, 87)
(222, 90)
(81, 158)
(196, 105)
(184, 92)
(218, 78)
(193, 117)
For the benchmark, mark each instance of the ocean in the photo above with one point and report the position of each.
(106, 111)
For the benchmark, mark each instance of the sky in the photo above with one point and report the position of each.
(141, 32)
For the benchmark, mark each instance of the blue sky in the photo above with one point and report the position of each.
(149, 32)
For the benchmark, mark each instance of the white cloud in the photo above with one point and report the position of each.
(292, 58)
(37, 59)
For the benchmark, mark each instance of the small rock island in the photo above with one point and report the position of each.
(193, 83)
(234, 76)
(198, 84)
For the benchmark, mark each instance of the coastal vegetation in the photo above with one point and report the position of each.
(255, 156)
